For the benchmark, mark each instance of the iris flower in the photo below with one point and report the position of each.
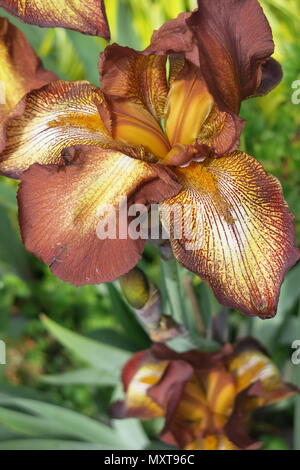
(206, 399)
(164, 128)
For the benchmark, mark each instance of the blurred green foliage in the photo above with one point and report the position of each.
(54, 363)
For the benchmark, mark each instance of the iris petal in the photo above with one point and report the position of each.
(61, 209)
(20, 70)
(137, 77)
(53, 118)
(86, 17)
(234, 230)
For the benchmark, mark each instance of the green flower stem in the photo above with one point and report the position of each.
(297, 399)
(193, 311)
(173, 289)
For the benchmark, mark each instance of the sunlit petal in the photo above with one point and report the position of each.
(20, 69)
(55, 117)
(189, 105)
(88, 17)
(61, 209)
(139, 78)
(235, 231)
(134, 125)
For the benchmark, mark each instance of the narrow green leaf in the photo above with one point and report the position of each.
(52, 444)
(100, 356)
(11, 248)
(81, 376)
(49, 420)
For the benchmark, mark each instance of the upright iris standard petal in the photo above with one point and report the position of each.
(20, 69)
(235, 46)
(137, 77)
(88, 17)
(61, 209)
(231, 41)
(60, 115)
(175, 37)
(235, 231)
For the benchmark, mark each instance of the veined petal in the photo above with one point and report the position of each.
(57, 116)
(235, 45)
(20, 69)
(61, 209)
(232, 227)
(134, 125)
(221, 131)
(86, 17)
(189, 104)
(137, 77)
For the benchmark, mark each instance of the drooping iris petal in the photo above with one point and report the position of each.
(20, 69)
(137, 77)
(153, 386)
(235, 45)
(138, 403)
(59, 115)
(250, 364)
(189, 104)
(232, 227)
(259, 383)
(88, 17)
(61, 209)
(134, 125)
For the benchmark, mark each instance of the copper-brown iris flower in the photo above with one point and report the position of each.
(205, 398)
(165, 129)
